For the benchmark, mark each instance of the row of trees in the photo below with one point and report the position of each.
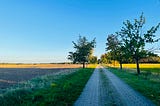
(129, 43)
(125, 46)
(107, 58)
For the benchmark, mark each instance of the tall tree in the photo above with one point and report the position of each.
(83, 50)
(115, 47)
(112, 43)
(134, 39)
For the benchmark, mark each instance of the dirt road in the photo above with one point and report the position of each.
(106, 89)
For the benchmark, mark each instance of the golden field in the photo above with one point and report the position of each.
(40, 65)
(134, 65)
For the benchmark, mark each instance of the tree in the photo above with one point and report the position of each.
(120, 54)
(72, 57)
(93, 59)
(134, 39)
(106, 58)
(83, 50)
(116, 49)
(112, 43)
(103, 58)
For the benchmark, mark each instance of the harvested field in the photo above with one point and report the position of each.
(12, 76)
(40, 65)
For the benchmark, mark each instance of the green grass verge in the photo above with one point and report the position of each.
(155, 70)
(61, 92)
(145, 85)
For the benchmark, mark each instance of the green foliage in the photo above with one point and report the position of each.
(116, 49)
(93, 60)
(112, 42)
(112, 45)
(83, 50)
(61, 91)
(147, 83)
(106, 58)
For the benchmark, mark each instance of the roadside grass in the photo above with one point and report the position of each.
(62, 91)
(155, 70)
(147, 84)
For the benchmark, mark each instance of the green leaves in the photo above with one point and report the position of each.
(150, 34)
(134, 40)
(83, 49)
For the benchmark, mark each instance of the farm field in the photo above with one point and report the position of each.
(140, 65)
(5, 65)
(12, 76)
(153, 68)
(53, 89)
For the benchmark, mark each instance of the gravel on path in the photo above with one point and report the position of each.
(105, 89)
(127, 94)
(89, 96)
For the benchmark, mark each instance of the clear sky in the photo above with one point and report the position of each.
(43, 30)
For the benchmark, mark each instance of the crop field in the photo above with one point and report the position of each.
(144, 67)
(15, 74)
(40, 65)
(12, 76)
(134, 65)
(41, 90)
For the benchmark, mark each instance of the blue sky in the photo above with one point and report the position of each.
(43, 30)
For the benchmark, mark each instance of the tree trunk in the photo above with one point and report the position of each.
(120, 65)
(83, 64)
(137, 62)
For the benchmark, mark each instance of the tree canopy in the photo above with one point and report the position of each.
(83, 50)
(134, 40)
(129, 43)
